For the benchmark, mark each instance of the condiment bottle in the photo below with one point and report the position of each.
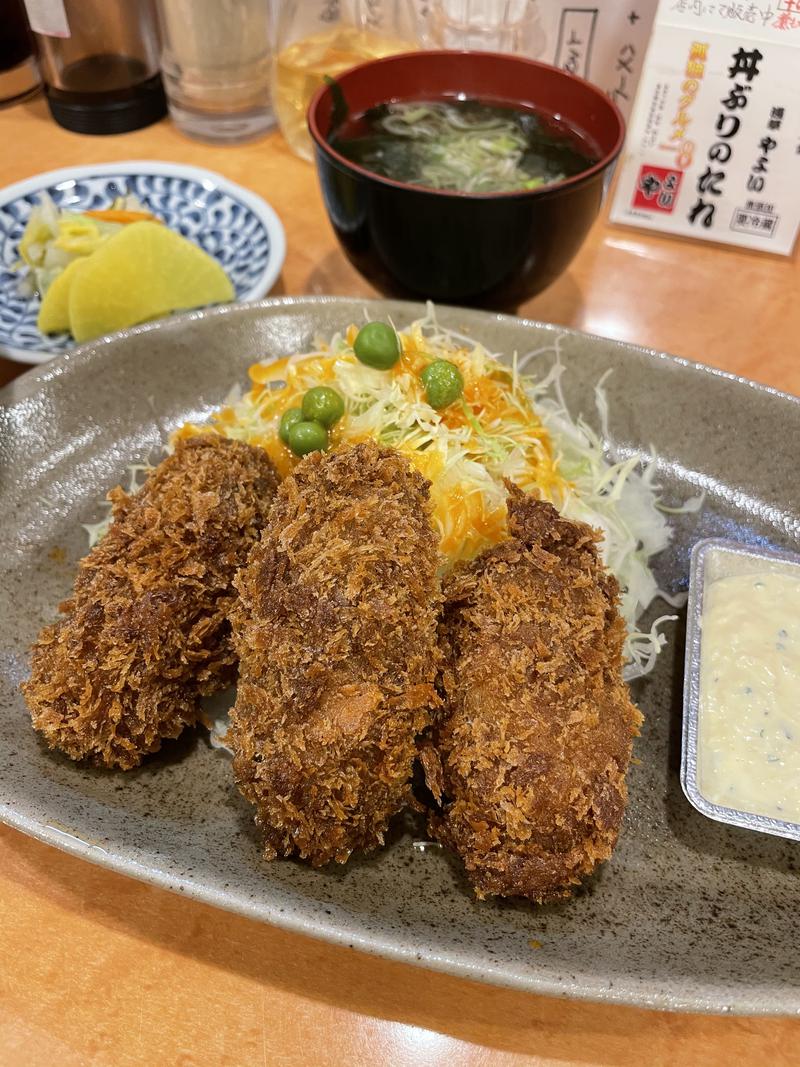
(100, 63)
(19, 76)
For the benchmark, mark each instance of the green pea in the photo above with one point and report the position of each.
(443, 383)
(377, 345)
(324, 405)
(289, 418)
(307, 436)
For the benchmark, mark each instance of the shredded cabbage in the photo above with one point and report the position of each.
(510, 424)
(464, 146)
(465, 451)
(618, 497)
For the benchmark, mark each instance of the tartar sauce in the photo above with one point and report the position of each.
(749, 722)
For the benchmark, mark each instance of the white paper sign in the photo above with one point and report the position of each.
(604, 42)
(713, 148)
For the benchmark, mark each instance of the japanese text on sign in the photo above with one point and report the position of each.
(713, 147)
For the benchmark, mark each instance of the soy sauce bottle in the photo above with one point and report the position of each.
(100, 63)
(19, 76)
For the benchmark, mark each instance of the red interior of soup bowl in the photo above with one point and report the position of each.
(488, 76)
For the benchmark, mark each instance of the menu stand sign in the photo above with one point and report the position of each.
(713, 147)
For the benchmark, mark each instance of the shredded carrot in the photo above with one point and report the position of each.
(123, 217)
(494, 424)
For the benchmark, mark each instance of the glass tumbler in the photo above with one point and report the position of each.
(511, 26)
(216, 62)
(316, 38)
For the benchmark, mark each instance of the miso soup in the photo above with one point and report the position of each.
(464, 145)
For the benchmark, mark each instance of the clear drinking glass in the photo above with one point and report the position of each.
(483, 26)
(319, 37)
(215, 63)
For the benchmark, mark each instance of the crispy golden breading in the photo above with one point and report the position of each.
(336, 632)
(531, 751)
(146, 632)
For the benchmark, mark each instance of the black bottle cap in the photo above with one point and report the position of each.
(146, 105)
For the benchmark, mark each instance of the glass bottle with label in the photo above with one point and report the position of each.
(100, 63)
(19, 76)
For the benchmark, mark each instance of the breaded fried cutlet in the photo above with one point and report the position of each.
(336, 632)
(146, 632)
(530, 754)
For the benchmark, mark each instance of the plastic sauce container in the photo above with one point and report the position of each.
(741, 724)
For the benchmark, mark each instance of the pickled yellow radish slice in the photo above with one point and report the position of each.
(141, 273)
(54, 312)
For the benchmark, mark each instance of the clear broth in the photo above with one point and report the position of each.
(470, 145)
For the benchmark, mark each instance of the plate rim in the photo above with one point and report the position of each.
(57, 365)
(260, 207)
(711, 999)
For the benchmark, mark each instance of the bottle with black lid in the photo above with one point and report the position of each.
(100, 63)
(19, 75)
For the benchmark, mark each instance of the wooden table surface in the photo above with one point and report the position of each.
(102, 970)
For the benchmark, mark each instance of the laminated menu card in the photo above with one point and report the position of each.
(713, 146)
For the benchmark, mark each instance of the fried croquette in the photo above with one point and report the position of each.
(530, 755)
(146, 632)
(336, 632)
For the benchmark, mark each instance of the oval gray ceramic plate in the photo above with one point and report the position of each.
(689, 914)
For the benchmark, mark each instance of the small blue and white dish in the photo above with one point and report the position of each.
(233, 225)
